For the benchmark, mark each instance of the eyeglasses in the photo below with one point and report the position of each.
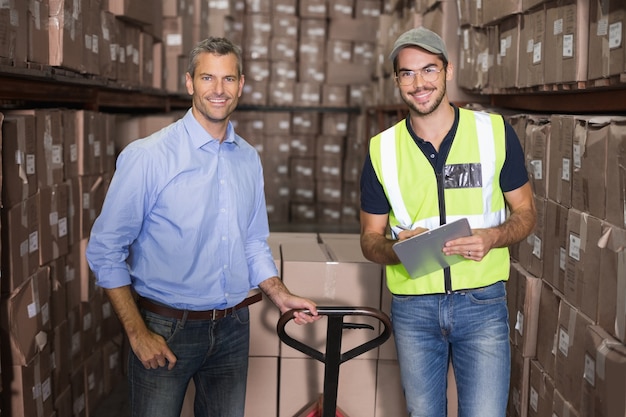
(428, 74)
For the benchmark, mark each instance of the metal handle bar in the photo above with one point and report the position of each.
(335, 326)
(333, 357)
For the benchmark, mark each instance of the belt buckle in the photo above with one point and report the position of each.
(213, 312)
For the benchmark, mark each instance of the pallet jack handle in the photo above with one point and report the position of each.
(333, 357)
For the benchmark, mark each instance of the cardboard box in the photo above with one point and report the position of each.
(526, 311)
(560, 164)
(555, 244)
(38, 46)
(63, 402)
(328, 213)
(471, 13)
(302, 382)
(53, 224)
(506, 67)
(328, 168)
(335, 124)
(536, 149)
(583, 262)
(18, 30)
(519, 389)
(108, 50)
(328, 191)
(284, 7)
(547, 335)
(277, 123)
(495, 10)
(60, 358)
(570, 353)
(94, 380)
(70, 144)
(390, 400)
(79, 395)
(26, 318)
(92, 192)
(19, 160)
(567, 41)
(589, 176)
(541, 391)
(264, 341)
(305, 123)
(473, 68)
(560, 406)
(616, 173)
(30, 389)
(606, 38)
(262, 387)
(20, 234)
(283, 48)
(307, 94)
(348, 73)
(112, 360)
(58, 292)
(531, 251)
(303, 190)
(611, 302)
(66, 35)
(332, 277)
(604, 375)
(532, 59)
(334, 95)
(77, 353)
(89, 145)
(313, 8)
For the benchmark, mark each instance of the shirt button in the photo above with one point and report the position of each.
(223, 237)
(432, 155)
(225, 266)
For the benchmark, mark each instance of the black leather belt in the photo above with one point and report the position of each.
(174, 313)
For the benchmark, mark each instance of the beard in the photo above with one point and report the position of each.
(213, 116)
(424, 111)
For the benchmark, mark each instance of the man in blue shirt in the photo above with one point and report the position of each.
(181, 240)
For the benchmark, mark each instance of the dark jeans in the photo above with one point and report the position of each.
(213, 353)
(472, 329)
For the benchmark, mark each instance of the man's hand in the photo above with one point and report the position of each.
(152, 350)
(279, 294)
(149, 347)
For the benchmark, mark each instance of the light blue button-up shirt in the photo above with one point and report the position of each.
(184, 220)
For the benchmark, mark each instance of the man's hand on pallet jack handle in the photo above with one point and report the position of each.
(285, 301)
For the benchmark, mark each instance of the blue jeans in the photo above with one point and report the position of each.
(213, 353)
(471, 330)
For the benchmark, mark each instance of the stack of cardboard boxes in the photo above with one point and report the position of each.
(61, 340)
(574, 261)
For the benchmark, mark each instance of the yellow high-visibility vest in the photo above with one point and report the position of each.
(471, 189)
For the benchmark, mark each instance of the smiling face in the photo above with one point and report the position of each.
(215, 89)
(422, 97)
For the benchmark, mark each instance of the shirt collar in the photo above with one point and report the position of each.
(200, 137)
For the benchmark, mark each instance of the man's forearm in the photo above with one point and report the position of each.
(516, 228)
(275, 290)
(127, 311)
(378, 248)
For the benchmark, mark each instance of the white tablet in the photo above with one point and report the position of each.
(423, 254)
